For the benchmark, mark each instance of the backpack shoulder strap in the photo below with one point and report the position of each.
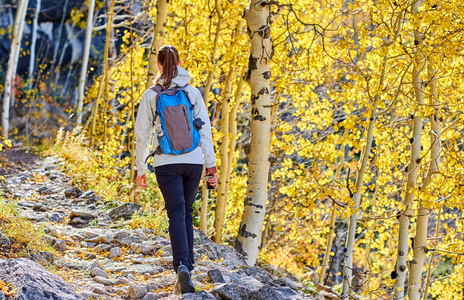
(159, 90)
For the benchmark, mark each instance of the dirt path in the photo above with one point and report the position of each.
(103, 257)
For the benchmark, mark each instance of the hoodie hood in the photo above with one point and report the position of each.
(181, 79)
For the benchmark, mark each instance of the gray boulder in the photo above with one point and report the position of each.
(34, 282)
(124, 211)
(201, 295)
(73, 192)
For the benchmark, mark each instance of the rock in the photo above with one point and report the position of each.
(87, 195)
(287, 293)
(215, 251)
(39, 207)
(136, 292)
(115, 252)
(163, 261)
(89, 234)
(90, 296)
(215, 276)
(49, 168)
(56, 217)
(131, 277)
(53, 175)
(99, 289)
(45, 191)
(89, 255)
(258, 273)
(88, 244)
(94, 240)
(102, 248)
(82, 214)
(149, 296)
(126, 238)
(23, 176)
(103, 280)
(149, 270)
(98, 272)
(78, 221)
(141, 234)
(201, 295)
(94, 264)
(34, 281)
(267, 293)
(48, 256)
(122, 280)
(237, 289)
(5, 242)
(107, 238)
(140, 248)
(124, 211)
(26, 203)
(13, 181)
(73, 192)
(286, 282)
(60, 245)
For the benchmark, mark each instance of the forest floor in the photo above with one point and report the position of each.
(105, 257)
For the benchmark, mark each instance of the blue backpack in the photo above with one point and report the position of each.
(179, 131)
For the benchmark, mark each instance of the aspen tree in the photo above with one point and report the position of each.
(225, 147)
(15, 48)
(414, 163)
(221, 200)
(85, 61)
(348, 266)
(32, 58)
(158, 39)
(421, 240)
(233, 128)
(333, 217)
(249, 235)
(103, 88)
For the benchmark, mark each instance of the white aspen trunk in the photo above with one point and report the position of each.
(249, 235)
(429, 271)
(233, 128)
(32, 58)
(158, 40)
(103, 88)
(12, 64)
(367, 257)
(420, 240)
(225, 149)
(413, 168)
(57, 69)
(333, 217)
(221, 201)
(348, 266)
(204, 209)
(85, 61)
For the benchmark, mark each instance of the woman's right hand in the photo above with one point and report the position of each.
(142, 180)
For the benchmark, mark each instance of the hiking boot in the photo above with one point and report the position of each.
(184, 284)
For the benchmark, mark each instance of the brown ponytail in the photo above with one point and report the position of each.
(168, 57)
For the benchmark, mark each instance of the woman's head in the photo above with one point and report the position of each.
(168, 60)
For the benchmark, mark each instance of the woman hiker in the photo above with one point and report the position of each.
(178, 176)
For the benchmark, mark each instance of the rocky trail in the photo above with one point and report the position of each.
(99, 256)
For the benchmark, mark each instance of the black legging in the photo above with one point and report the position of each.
(179, 184)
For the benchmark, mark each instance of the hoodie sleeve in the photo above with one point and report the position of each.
(206, 141)
(143, 131)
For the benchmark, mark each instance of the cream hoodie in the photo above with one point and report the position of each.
(204, 154)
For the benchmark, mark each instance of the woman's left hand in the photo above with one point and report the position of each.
(214, 179)
(142, 180)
